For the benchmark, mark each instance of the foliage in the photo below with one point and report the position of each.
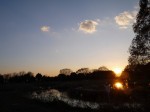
(38, 77)
(66, 71)
(140, 47)
(103, 68)
(83, 71)
(82, 74)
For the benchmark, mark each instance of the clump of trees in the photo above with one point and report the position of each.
(1, 79)
(22, 77)
(65, 75)
(101, 73)
(140, 46)
(139, 59)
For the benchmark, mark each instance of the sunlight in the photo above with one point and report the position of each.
(118, 85)
(117, 71)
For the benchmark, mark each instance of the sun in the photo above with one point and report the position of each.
(117, 71)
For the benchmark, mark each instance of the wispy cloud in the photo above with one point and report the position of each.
(125, 19)
(88, 26)
(48, 30)
(45, 28)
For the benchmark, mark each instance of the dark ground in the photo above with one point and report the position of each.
(16, 97)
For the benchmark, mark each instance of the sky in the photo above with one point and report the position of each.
(44, 36)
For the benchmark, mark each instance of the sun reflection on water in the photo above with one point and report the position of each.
(118, 85)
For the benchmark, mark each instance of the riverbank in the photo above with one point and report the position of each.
(16, 97)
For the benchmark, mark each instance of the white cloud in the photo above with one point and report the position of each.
(88, 26)
(125, 19)
(49, 31)
(45, 28)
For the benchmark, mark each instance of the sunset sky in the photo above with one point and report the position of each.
(48, 35)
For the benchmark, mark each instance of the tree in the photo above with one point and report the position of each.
(1, 79)
(28, 77)
(38, 77)
(139, 59)
(103, 68)
(83, 71)
(140, 46)
(66, 71)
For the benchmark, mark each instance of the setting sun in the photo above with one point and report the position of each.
(117, 71)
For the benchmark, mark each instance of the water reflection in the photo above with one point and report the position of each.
(53, 94)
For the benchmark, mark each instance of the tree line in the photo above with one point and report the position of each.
(65, 75)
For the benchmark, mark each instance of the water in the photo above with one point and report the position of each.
(55, 95)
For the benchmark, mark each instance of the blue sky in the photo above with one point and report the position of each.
(48, 35)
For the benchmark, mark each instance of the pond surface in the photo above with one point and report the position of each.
(51, 95)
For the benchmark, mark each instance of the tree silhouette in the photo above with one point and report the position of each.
(1, 79)
(139, 59)
(140, 46)
(103, 68)
(83, 71)
(38, 77)
(103, 75)
(66, 71)
(62, 77)
(28, 77)
(21, 77)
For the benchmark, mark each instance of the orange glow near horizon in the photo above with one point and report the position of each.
(117, 71)
(118, 85)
